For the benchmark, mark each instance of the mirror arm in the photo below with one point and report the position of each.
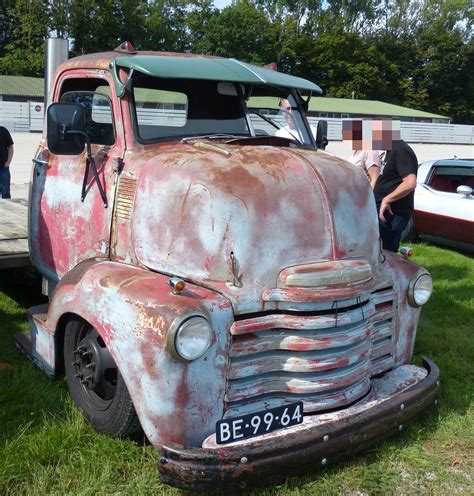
(90, 163)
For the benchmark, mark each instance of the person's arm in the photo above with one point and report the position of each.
(372, 165)
(373, 173)
(407, 185)
(10, 156)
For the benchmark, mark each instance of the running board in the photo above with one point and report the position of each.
(38, 343)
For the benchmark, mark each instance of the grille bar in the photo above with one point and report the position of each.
(282, 339)
(312, 402)
(283, 361)
(336, 318)
(298, 383)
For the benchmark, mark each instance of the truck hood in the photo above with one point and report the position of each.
(233, 217)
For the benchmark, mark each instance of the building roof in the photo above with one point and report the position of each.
(34, 87)
(366, 107)
(21, 86)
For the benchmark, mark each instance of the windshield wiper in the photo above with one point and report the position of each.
(208, 136)
(276, 125)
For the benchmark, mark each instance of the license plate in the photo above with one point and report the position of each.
(256, 424)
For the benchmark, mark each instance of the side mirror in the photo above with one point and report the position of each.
(66, 128)
(465, 191)
(322, 135)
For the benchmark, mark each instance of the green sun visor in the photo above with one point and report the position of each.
(210, 69)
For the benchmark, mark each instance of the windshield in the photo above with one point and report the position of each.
(165, 109)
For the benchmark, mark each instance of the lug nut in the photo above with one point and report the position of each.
(79, 375)
(76, 364)
(90, 365)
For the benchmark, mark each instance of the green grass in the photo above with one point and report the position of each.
(47, 448)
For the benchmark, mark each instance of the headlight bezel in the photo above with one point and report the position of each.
(177, 327)
(414, 282)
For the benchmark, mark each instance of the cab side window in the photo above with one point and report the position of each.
(98, 108)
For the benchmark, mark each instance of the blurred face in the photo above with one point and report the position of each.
(285, 106)
(371, 134)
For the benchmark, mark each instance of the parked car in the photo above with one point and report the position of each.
(444, 203)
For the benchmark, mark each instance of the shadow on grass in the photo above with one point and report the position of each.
(447, 272)
(447, 247)
(27, 393)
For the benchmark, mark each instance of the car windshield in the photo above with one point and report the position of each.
(165, 109)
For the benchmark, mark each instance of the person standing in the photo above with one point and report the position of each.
(394, 192)
(6, 156)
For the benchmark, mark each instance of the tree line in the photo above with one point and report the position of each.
(416, 53)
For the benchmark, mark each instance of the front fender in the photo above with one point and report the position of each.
(133, 310)
(400, 272)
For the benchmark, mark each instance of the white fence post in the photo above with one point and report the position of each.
(36, 116)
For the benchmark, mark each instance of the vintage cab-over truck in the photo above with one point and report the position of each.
(213, 276)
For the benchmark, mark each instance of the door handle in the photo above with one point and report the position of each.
(40, 163)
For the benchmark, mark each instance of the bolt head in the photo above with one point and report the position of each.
(402, 406)
(244, 460)
(400, 427)
(326, 438)
(435, 402)
(324, 461)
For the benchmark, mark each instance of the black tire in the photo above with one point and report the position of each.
(95, 382)
(409, 233)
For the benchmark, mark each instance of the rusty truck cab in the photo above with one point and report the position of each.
(213, 276)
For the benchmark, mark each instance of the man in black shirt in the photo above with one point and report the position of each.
(6, 156)
(394, 193)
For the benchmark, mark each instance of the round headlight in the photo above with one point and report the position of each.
(193, 338)
(420, 289)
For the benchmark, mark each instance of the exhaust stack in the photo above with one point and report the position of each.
(55, 54)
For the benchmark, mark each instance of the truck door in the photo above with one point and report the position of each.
(64, 230)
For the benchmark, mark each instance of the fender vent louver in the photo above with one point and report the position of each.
(125, 198)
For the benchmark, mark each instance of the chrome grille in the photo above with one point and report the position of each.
(324, 359)
(382, 358)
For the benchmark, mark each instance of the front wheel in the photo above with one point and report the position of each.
(95, 382)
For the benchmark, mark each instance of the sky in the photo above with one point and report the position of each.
(220, 4)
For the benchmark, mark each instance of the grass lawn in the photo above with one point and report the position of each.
(47, 448)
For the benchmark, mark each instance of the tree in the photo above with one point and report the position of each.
(24, 51)
(6, 24)
(243, 31)
(99, 30)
